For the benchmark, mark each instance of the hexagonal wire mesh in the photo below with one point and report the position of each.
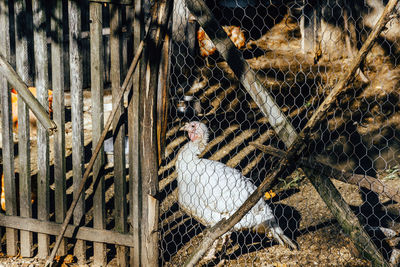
(299, 50)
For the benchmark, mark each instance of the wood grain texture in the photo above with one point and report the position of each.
(133, 133)
(7, 135)
(148, 136)
(72, 231)
(76, 80)
(23, 70)
(42, 87)
(58, 85)
(97, 84)
(118, 130)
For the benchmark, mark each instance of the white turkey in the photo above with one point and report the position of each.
(209, 190)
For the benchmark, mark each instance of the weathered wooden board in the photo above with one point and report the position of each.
(148, 136)
(58, 85)
(52, 228)
(118, 131)
(23, 70)
(97, 84)
(42, 86)
(76, 80)
(133, 132)
(8, 146)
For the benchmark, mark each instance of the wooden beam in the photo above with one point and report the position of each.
(72, 231)
(23, 92)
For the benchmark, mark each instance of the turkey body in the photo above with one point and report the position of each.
(210, 191)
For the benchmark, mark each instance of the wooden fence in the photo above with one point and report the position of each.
(85, 44)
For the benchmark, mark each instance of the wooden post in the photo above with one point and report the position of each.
(118, 130)
(148, 137)
(76, 80)
(58, 83)
(42, 86)
(97, 84)
(133, 132)
(7, 134)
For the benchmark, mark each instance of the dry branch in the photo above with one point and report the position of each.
(368, 182)
(22, 90)
(336, 204)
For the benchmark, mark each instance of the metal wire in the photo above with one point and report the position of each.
(298, 49)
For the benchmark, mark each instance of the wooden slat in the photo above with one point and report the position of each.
(22, 67)
(76, 80)
(52, 228)
(133, 131)
(42, 85)
(97, 83)
(118, 132)
(148, 136)
(58, 80)
(7, 136)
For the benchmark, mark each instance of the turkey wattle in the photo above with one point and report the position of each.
(209, 190)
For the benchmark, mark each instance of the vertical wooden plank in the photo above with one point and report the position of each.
(8, 144)
(58, 82)
(133, 130)
(118, 131)
(22, 64)
(42, 85)
(148, 137)
(76, 80)
(97, 83)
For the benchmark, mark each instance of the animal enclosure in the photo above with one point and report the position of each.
(236, 132)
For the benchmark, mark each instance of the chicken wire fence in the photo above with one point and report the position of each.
(219, 138)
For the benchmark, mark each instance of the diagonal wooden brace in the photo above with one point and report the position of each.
(22, 90)
(296, 143)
